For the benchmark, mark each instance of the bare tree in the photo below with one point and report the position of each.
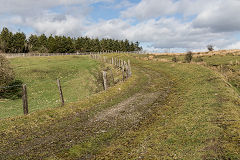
(210, 47)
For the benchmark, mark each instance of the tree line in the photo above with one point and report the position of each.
(19, 43)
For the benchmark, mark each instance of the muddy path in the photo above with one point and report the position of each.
(55, 139)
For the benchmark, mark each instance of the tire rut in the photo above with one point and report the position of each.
(56, 138)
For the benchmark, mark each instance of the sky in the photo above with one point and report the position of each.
(159, 25)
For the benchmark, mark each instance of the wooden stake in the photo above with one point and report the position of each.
(129, 69)
(60, 91)
(120, 63)
(123, 72)
(25, 99)
(112, 76)
(105, 80)
(126, 68)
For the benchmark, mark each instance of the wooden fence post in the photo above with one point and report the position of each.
(105, 80)
(120, 63)
(123, 72)
(60, 91)
(112, 76)
(25, 99)
(126, 68)
(129, 69)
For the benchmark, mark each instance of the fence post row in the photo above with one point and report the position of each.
(25, 99)
(60, 91)
(124, 66)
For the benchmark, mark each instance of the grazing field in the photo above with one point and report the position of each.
(166, 110)
(77, 75)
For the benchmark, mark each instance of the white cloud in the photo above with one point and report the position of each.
(219, 15)
(156, 8)
(150, 8)
(235, 45)
(152, 22)
(123, 4)
(162, 33)
(222, 17)
(115, 28)
(57, 24)
(21, 6)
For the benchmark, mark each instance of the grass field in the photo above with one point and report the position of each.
(77, 75)
(165, 110)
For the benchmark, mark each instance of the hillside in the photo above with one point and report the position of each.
(166, 110)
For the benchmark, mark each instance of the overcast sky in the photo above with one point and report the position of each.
(180, 24)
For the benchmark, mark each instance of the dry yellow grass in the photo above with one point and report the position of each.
(219, 52)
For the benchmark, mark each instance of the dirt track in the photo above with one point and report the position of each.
(56, 138)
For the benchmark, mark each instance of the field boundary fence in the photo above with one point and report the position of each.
(124, 67)
(14, 55)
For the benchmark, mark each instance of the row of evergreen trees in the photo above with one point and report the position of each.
(18, 43)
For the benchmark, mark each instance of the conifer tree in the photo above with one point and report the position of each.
(5, 40)
(19, 41)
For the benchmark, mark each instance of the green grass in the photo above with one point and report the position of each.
(196, 115)
(227, 65)
(200, 120)
(221, 59)
(77, 75)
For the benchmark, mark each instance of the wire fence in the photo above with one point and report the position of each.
(36, 96)
(13, 55)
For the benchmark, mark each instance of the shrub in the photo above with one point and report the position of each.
(6, 72)
(12, 88)
(198, 59)
(210, 47)
(174, 59)
(13, 91)
(188, 57)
